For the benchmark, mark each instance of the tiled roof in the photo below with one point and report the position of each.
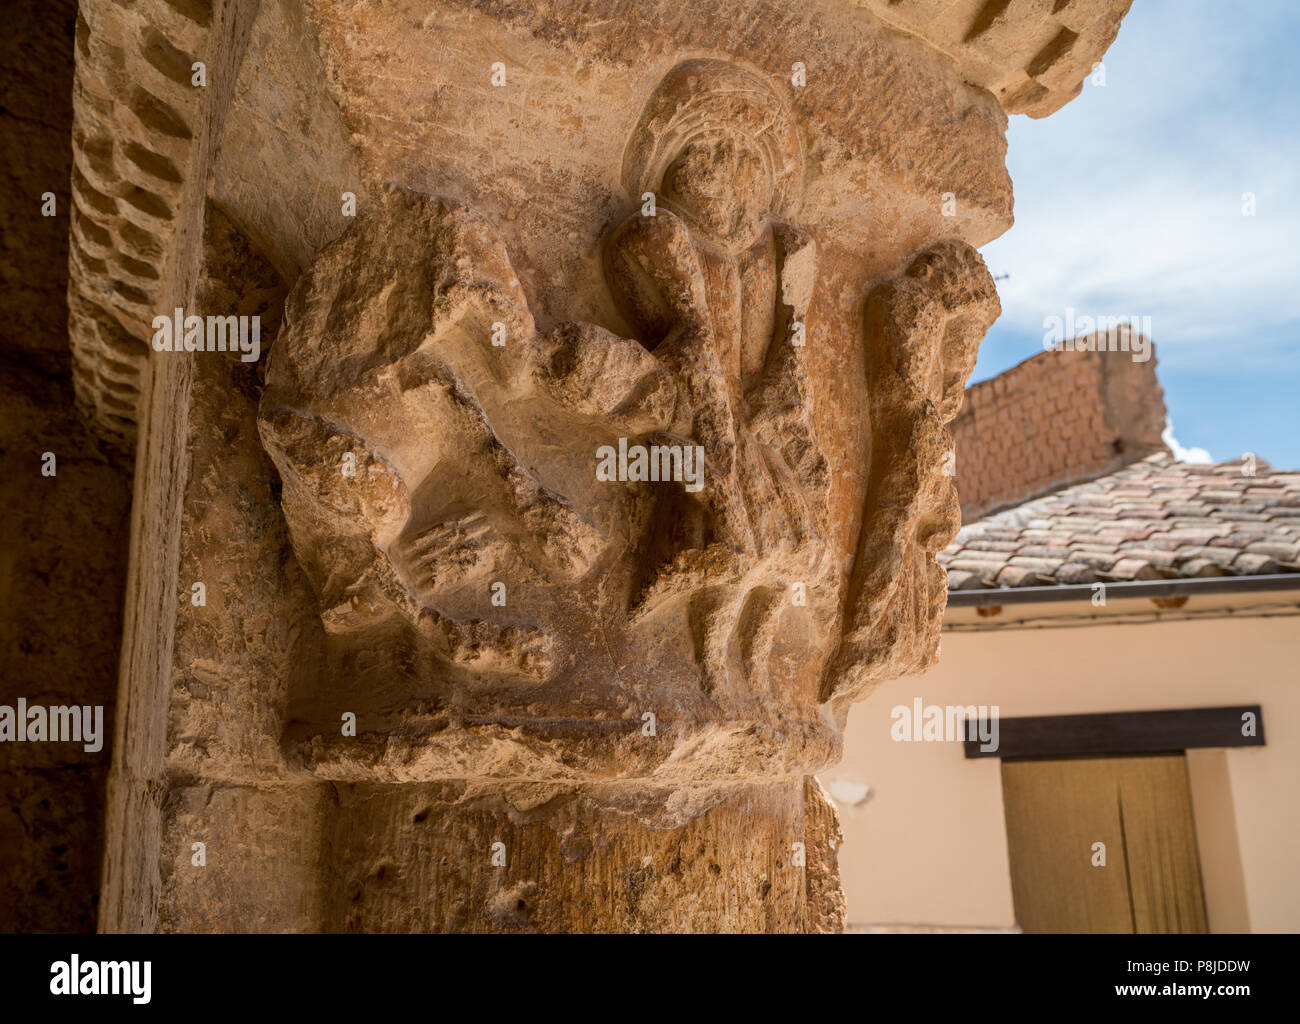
(1156, 519)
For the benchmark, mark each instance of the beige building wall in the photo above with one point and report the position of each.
(927, 845)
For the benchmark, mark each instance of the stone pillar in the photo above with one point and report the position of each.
(591, 463)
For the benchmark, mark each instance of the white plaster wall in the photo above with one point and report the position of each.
(928, 844)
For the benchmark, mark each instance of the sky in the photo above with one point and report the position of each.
(1129, 202)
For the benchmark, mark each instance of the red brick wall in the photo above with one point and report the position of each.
(1056, 419)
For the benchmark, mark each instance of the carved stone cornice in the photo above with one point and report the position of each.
(138, 115)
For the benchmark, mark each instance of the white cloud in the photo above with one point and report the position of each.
(1195, 455)
(1129, 200)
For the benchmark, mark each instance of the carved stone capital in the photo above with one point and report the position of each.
(596, 461)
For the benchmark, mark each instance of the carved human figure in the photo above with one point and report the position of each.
(718, 285)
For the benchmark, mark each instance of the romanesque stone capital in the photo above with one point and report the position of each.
(593, 459)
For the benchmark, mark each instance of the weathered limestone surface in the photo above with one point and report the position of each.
(1033, 55)
(581, 704)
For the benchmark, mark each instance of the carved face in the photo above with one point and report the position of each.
(721, 183)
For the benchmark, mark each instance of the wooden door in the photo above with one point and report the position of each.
(1140, 808)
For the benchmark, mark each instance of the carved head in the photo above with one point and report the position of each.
(721, 184)
(716, 144)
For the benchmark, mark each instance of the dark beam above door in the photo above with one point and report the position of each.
(1125, 732)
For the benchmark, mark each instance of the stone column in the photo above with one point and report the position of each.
(591, 462)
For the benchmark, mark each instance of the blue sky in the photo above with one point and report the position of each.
(1129, 202)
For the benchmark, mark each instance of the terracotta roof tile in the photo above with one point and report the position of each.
(1059, 551)
(1219, 556)
(1163, 543)
(984, 544)
(1155, 557)
(959, 579)
(1286, 551)
(1134, 569)
(1096, 559)
(1255, 564)
(1075, 572)
(1015, 576)
(1046, 566)
(1198, 567)
(1152, 519)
